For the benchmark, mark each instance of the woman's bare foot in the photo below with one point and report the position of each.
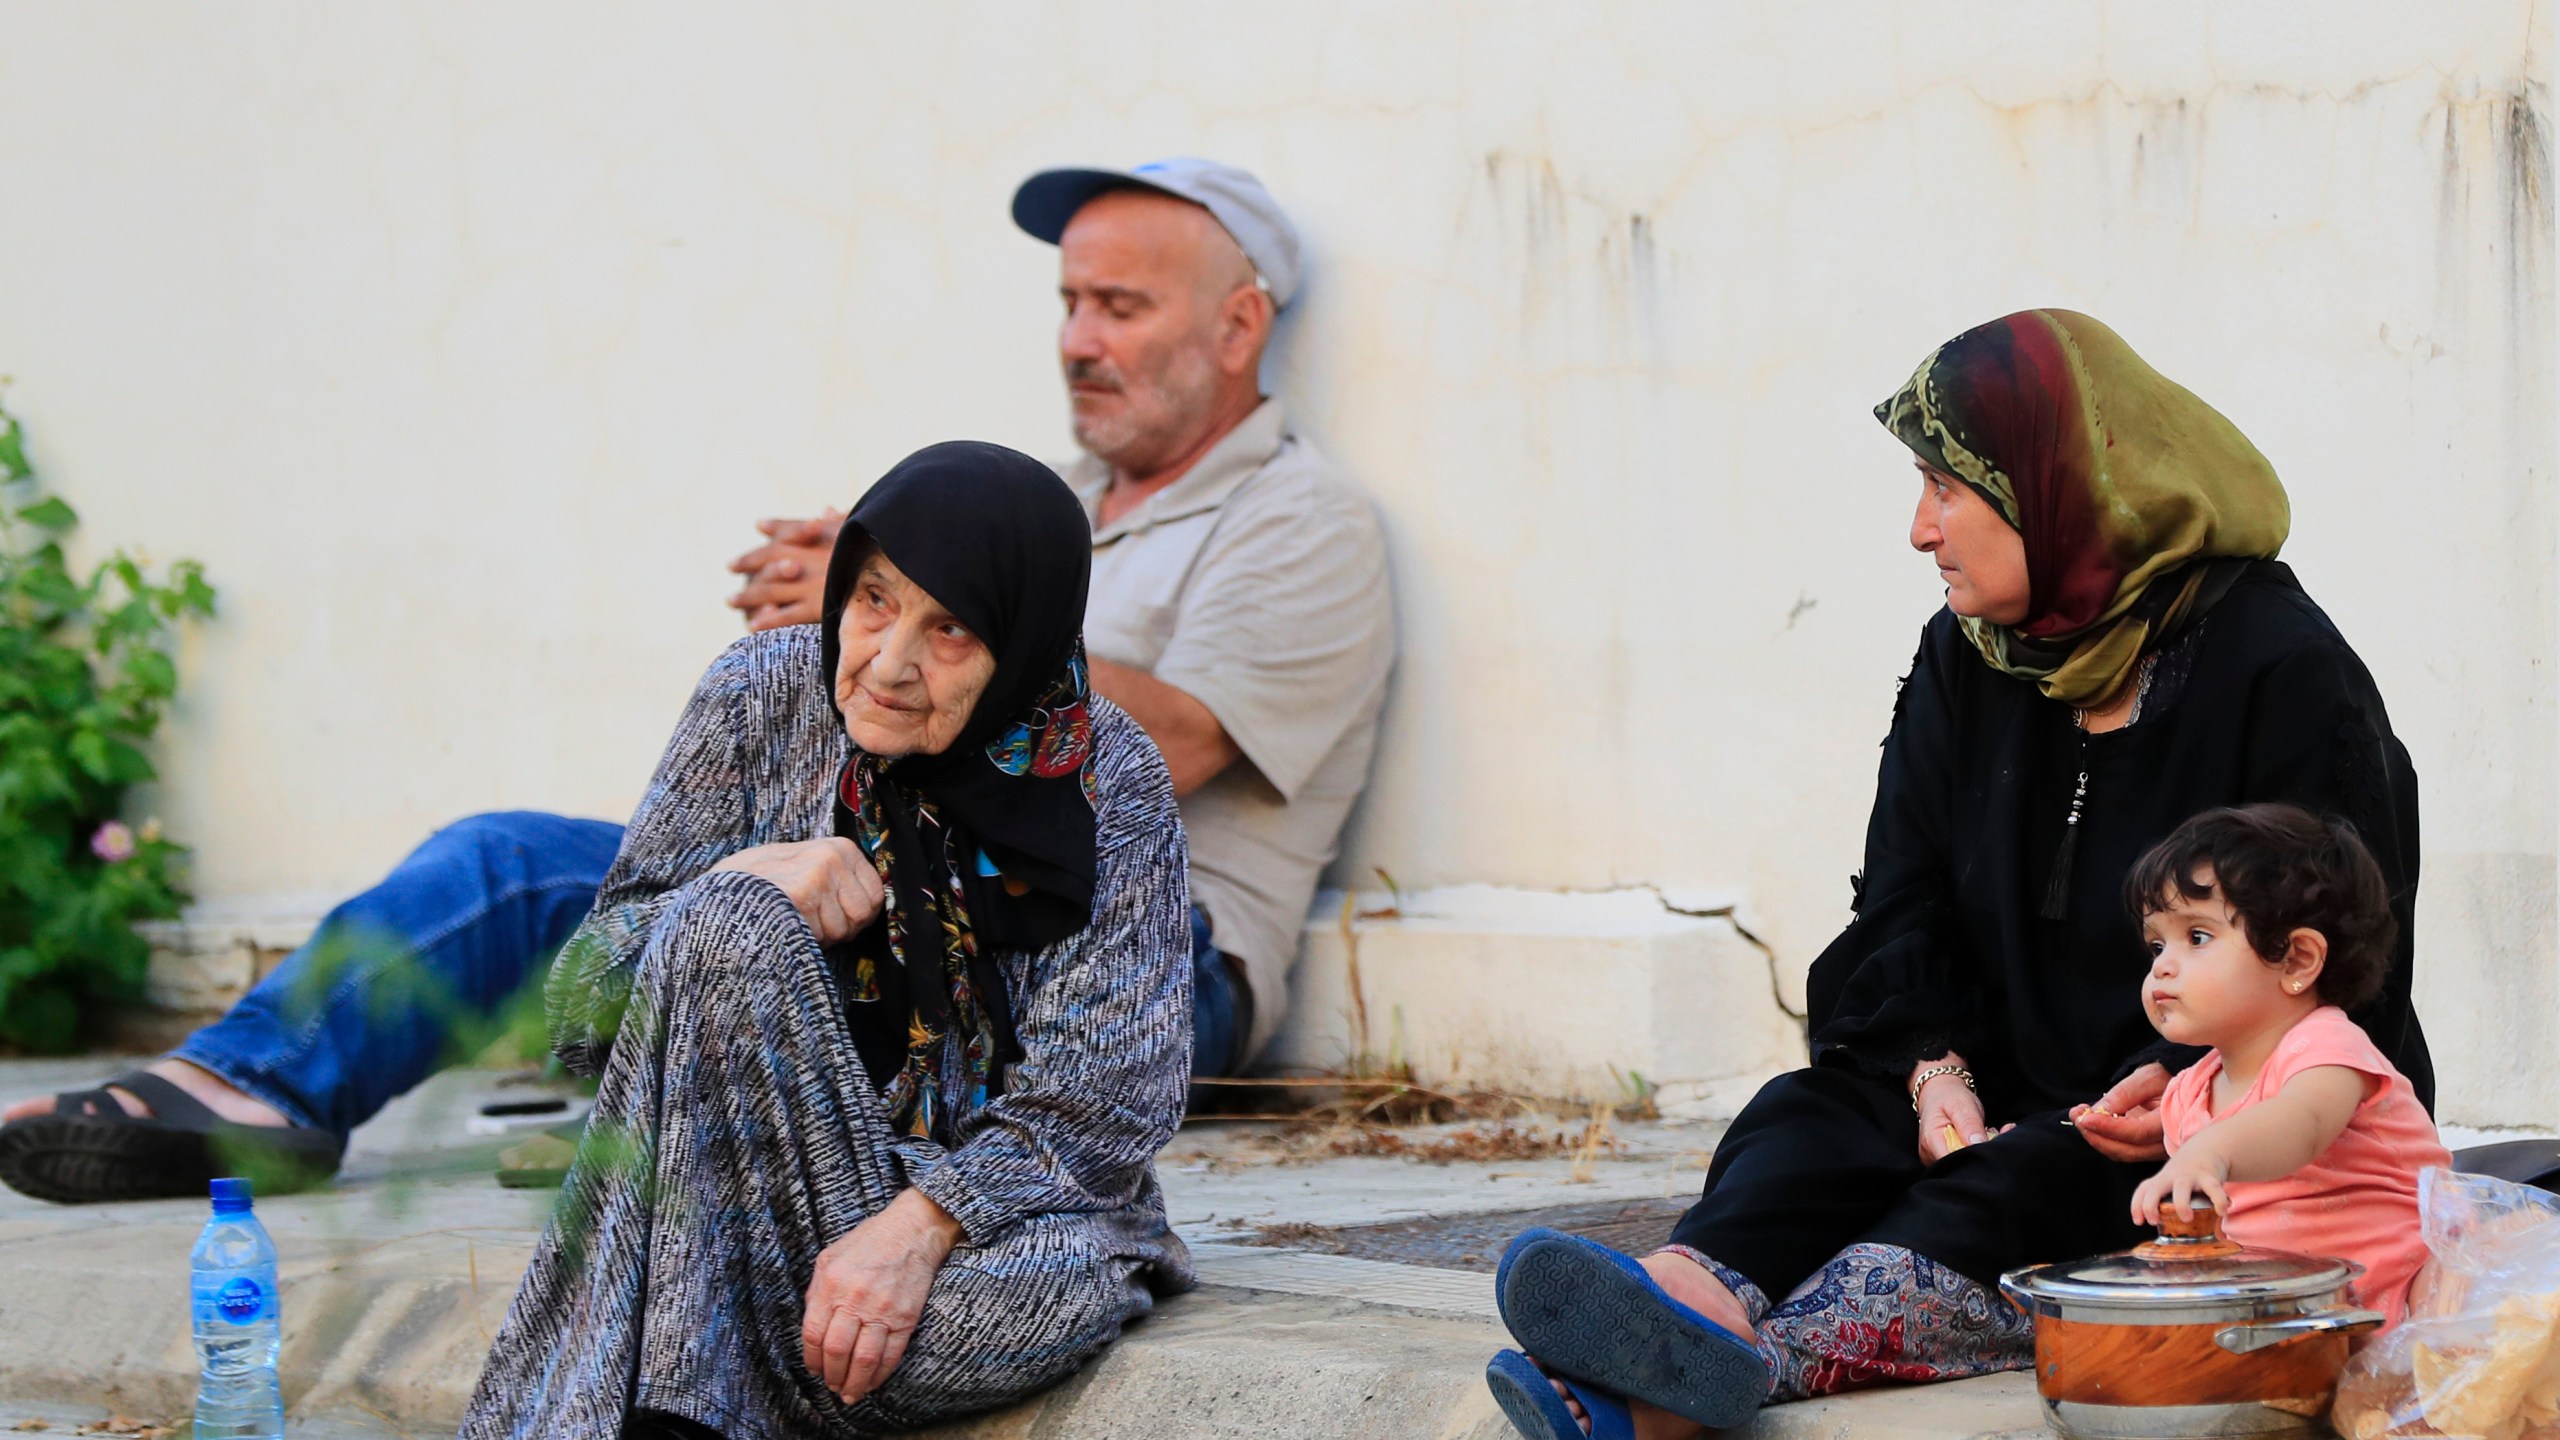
(1695, 1286)
(1564, 1392)
(216, 1094)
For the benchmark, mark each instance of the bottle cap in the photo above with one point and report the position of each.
(230, 1197)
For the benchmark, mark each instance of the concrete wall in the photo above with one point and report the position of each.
(462, 340)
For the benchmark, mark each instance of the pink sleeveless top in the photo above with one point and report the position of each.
(2356, 1200)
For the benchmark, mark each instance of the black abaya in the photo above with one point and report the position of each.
(1949, 949)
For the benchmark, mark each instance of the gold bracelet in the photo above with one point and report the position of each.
(1932, 1073)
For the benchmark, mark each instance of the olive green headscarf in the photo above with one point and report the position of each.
(2114, 475)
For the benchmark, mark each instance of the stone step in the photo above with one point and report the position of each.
(396, 1278)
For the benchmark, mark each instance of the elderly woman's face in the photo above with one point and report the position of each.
(909, 673)
(1982, 560)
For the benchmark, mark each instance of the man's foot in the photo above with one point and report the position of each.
(158, 1133)
(210, 1090)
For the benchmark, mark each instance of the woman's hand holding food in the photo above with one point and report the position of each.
(830, 882)
(2125, 1123)
(868, 1291)
(1950, 1113)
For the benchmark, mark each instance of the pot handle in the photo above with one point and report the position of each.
(2259, 1334)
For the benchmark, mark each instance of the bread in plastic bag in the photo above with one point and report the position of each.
(2479, 1354)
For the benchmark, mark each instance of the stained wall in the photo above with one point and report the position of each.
(462, 341)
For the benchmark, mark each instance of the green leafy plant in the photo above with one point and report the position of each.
(85, 675)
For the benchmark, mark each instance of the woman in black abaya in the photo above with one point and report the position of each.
(2119, 651)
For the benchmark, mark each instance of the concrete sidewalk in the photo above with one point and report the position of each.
(395, 1279)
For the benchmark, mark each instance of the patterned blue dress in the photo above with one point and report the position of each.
(735, 1134)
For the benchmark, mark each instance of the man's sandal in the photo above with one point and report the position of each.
(90, 1149)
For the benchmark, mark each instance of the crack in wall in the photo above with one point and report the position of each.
(1768, 956)
(1728, 913)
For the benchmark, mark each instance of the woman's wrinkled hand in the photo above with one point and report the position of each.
(2125, 1123)
(1947, 1103)
(868, 1292)
(830, 882)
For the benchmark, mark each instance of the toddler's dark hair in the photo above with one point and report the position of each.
(2281, 869)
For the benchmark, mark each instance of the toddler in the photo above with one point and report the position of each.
(2266, 925)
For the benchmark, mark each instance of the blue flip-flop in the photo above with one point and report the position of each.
(1537, 1411)
(1591, 1314)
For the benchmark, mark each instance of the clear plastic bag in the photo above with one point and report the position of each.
(2479, 1354)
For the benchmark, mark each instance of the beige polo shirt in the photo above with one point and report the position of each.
(1257, 584)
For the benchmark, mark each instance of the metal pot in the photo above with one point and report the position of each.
(2190, 1335)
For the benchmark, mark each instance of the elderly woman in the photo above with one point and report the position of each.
(889, 990)
(2119, 650)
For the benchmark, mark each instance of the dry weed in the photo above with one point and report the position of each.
(1532, 1137)
(1325, 1117)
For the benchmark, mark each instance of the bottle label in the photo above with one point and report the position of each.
(238, 1300)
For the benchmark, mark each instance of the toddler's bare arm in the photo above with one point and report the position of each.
(2288, 1130)
(2266, 1141)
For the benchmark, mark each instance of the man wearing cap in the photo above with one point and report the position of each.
(1240, 609)
(1239, 612)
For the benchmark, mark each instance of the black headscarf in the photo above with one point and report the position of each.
(989, 844)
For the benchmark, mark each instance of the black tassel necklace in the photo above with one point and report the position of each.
(2057, 891)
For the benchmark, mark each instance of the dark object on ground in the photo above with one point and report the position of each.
(1592, 1314)
(1475, 1242)
(2521, 1162)
(538, 1105)
(90, 1150)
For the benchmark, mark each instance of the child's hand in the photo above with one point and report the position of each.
(2194, 1173)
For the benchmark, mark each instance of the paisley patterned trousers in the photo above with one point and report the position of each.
(1879, 1314)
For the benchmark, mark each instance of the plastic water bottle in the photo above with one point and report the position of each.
(237, 1330)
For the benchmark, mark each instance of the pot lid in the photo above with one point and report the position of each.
(2192, 1262)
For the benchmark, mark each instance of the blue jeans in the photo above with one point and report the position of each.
(1221, 1006)
(369, 1007)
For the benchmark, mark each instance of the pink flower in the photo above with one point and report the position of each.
(112, 843)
